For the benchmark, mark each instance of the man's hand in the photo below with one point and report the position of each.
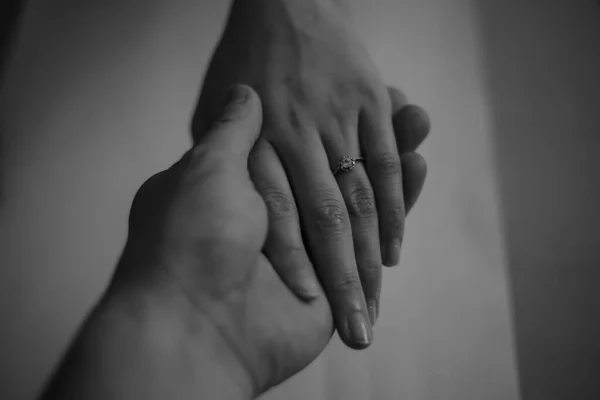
(197, 231)
(195, 310)
(323, 99)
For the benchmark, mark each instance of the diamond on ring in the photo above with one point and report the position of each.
(347, 163)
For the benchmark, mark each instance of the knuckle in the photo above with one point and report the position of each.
(279, 204)
(287, 257)
(225, 119)
(296, 122)
(361, 202)
(388, 164)
(202, 156)
(331, 215)
(370, 276)
(348, 282)
(299, 89)
(195, 155)
(397, 98)
(374, 94)
(368, 91)
(395, 220)
(296, 254)
(372, 271)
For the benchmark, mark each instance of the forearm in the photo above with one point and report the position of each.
(126, 350)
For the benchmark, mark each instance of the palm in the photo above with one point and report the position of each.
(278, 333)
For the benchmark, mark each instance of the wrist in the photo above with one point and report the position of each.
(178, 341)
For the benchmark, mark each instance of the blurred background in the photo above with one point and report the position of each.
(497, 296)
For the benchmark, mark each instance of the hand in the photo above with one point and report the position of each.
(195, 240)
(322, 99)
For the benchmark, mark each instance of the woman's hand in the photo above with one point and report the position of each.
(322, 99)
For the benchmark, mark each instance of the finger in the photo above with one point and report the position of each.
(360, 202)
(385, 172)
(236, 130)
(327, 229)
(411, 123)
(411, 127)
(284, 246)
(414, 171)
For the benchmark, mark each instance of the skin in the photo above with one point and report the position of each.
(194, 248)
(195, 310)
(178, 293)
(285, 246)
(322, 99)
(345, 277)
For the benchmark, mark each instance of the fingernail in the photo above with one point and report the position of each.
(372, 307)
(236, 95)
(360, 329)
(392, 253)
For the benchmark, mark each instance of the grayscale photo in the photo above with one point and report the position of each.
(299, 199)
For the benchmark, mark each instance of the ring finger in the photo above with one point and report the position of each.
(327, 228)
(360, 202)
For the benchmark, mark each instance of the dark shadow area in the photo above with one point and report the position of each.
(543, 75)
(10, 13)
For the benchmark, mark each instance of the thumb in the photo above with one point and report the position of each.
(239, 124)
